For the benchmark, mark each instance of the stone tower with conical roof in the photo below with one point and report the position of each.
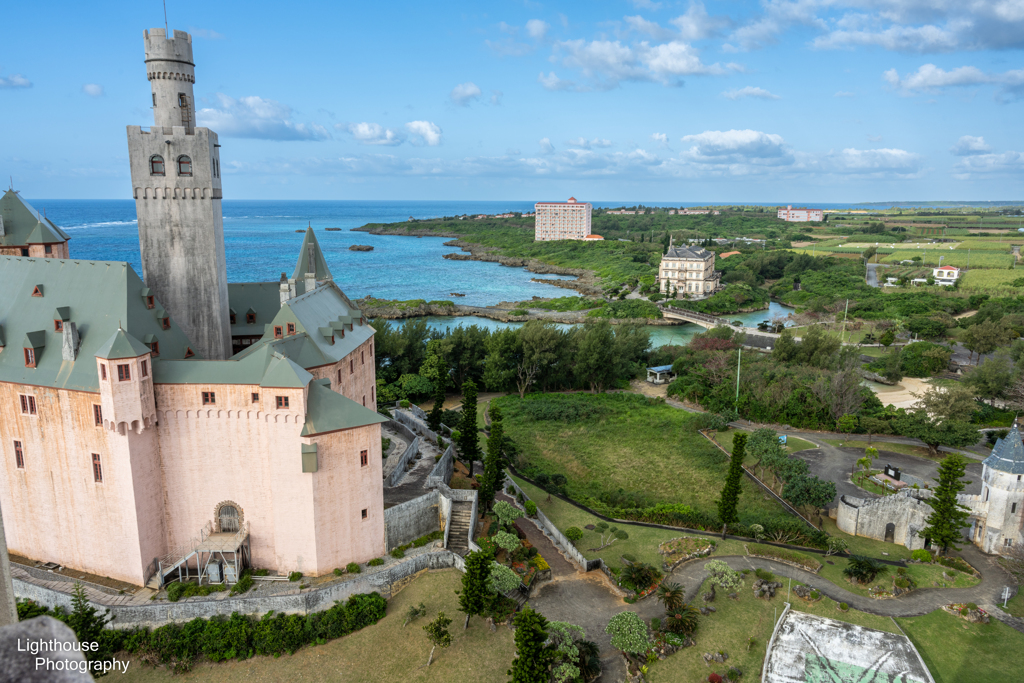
(175, 169)
(1002, 493)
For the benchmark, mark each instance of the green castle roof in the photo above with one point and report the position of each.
(122, 345)
(23, 224)
(320, 264)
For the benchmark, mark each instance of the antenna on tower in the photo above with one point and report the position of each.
(166, 29)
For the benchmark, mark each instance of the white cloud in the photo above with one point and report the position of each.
(646, 4)
(496, 96)
(651, 28)
(874, 138)
(256, 117)
(696, 24)
(545, 146)
(15, 81)
(93, 89)
(372, 133)
(661, 139)
(607, 63)
(537, 29)
(583, 143)
(464, 93)
(737, 146)
(429, 132)
(553, 82)
(750, 91)
(968, 145)
(931, 78)
(1007, 162)
(205, 33)
(872, 162)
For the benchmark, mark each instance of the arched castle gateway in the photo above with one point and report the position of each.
(147, 423)
(997, 513)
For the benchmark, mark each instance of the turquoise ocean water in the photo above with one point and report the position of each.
(261, 242)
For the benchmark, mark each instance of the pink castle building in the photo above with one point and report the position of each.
(134, 443)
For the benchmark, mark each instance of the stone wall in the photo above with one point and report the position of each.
(552, 531)
(395, 467)
(408, 521)
(413, 423)
(443, 470)
(905, 510)
(157, 614)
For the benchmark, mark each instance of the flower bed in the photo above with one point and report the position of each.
(967, 611)
(679, 550)
(770, 552)
(525, 571)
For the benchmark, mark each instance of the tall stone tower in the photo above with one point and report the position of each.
(176, 184)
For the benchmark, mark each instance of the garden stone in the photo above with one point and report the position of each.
(490, 623)
(734, 596)
(802, 592)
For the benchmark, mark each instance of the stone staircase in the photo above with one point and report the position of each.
(461, 521)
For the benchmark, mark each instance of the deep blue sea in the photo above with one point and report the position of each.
(261, 242)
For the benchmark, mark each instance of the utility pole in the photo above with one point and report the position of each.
(739, 358)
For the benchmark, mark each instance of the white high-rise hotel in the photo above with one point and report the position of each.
(562, 220)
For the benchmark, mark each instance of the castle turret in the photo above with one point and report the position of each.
(177, 189)
(1002, 495)
(125, 368)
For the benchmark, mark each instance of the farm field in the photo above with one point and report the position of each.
(1001, 244)
(995, 282)
(953, 257)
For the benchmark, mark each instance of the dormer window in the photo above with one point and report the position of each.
(38, 289)
(124, 372)
(154, 348)
(250, 318)
(291, 328)
(156, 165)
(184, 165)
(188, 352)
(278, 332)
(165, 323)
(58, 325)
(48, 249)
(232, 318)
(150, 301)
(30, 358)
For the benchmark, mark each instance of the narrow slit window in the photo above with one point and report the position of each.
(97, 469)
(364, 513)
(97, 414)
(124, 372)
(144, 365)
(103, 371)
(364, 458)
(364, 400)
(19, 456)
(351, 366)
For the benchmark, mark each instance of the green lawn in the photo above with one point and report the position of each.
(863, 480)
(860, 441)
(874, 351)
(960, 652)
(626, 451)
(734, 623)
(794, 444)
(1015, 605)
(376, 654)
(924, 575)
(860, 545)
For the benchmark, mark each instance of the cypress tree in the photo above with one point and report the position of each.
(494, 460)
(531, 662)
(434, 418)
(469, 444)
(948, 517)
(475, 596)
(731, 491)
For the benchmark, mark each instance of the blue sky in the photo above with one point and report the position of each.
(777, 100)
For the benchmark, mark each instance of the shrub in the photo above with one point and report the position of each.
(261, 572)
(971, 605)
(188, 589)
(629, 557)
(398, 553)
(864, 569)
(531, 508)
(773, 553)
(404, 403)
(844, 607)
(681, 620)
(921, 555)
(641, 575)
(244, 583)
(901, 582)
(815, 595)
(352, 568)
(338, 571)
(432, 536)
(955, 563)
(295, 576)
(376, 562)
(714, 678)
(764, 574)
(574, 534)
(628, 632)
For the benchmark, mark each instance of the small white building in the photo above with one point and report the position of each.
(946, 275)
(803, 215)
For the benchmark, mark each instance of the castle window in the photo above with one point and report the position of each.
(351, 366)
(250, 318)
(28, 404)
(156, 165)
(291, 328)
(48, 249)
(124, 372)
(255, 398)
(364, 513)
(154, 348)
(986, 495)
(373, 394)
(97, 414)
(19, 456)
(232, 318)
(1013, 508)
(24, 252)
(165, 323)
(364, 458)
(103, 371)
(362, 356)
(150, 302)
(184, 165)
(144, 365)
(58, 326)
(339, 379)
(278, 333)
(97, 469)
(282, 402)
(30, 358)
(1007, 542)
(209, 398)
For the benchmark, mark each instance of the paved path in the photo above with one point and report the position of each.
(872, 277)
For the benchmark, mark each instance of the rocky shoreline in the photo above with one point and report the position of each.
(400, 310)
(585, 282)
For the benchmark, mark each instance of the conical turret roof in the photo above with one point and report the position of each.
(319, 263)
(122, 345)
(1008, 453)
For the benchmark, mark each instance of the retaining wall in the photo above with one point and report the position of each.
(559, 539)
(443, 470)
(414, 424)
(158, 614)
(408, 521)
(397, 465)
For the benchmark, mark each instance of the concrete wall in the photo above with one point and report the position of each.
(443, 470)
(408, 521)
(413, 424)
(154, 615)
(396, 465)
(552, 531)
(870, 517)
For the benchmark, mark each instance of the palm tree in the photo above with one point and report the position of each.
(671, 595)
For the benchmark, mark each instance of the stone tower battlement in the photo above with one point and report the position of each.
(171, 73)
